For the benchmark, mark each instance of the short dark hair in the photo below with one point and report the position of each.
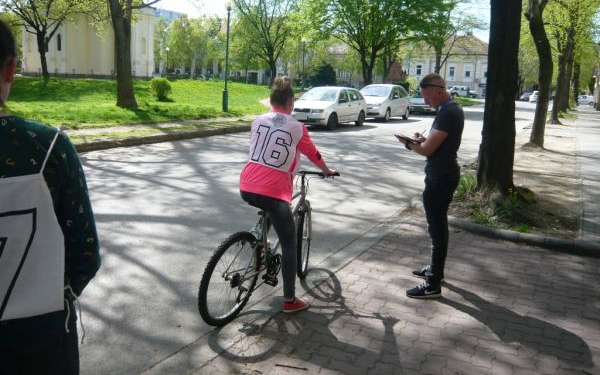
(433, 80)
(8, 47)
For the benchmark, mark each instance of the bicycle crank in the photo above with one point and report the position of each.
(273, 267)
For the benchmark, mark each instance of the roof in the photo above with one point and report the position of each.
(458, 45)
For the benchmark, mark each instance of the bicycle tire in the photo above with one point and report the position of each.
(224, 290)
(303, 235)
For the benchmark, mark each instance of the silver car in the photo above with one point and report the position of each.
(418, 105)
(385, 101)
(330, 105)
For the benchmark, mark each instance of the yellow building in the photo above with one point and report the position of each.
(76, 49)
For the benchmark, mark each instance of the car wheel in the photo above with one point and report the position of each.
(332, 121)
(387, 116)
(361, 119)
(406, 114)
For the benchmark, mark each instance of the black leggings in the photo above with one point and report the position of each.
(282, 219)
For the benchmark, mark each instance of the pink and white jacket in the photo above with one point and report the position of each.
(275, 140)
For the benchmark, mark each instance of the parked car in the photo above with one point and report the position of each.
(417, 104)
(463, 91)
(330, 105)
(525, 96)
(586, 99)
(534, 96)
(385, 101)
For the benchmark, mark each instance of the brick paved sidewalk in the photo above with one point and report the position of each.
(506, 309)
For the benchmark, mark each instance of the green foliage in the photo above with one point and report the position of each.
(466, 185)
(323, 75)
(368, 26)
(91, 102)
(161, 88)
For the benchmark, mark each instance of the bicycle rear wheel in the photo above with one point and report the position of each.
(303, 233)
(229, 279)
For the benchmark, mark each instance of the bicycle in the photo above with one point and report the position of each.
(231, 274)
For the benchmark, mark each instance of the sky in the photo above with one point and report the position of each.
(196, 8)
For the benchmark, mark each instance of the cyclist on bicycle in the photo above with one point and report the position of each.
(266, 181)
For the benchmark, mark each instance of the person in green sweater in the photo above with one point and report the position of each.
(48, 243)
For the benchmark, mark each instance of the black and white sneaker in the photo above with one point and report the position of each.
(424, 290)
(424, 272)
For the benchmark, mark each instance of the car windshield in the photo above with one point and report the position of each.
(417, 95)
(379, 91)
(323, 94)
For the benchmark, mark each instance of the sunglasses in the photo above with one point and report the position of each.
(426, 85)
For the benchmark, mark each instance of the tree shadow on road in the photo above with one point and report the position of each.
(533, 334)
(331, 335)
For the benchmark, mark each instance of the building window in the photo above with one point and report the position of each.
(143, 46)
(47, 44)
(468, 72)
(451, 71)
(419, 68)
(58, 43)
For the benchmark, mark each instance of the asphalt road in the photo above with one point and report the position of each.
(162, 209)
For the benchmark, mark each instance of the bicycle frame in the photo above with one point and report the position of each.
(259, 232)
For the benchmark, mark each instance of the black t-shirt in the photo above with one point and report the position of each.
(450, 119)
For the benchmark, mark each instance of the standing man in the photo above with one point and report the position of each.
(441, 178)
(48, 242)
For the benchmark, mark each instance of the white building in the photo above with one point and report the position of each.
(77, 49)
(466, 65)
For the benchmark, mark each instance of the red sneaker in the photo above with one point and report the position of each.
(298, 304)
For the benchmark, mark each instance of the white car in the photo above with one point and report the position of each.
(586, 99)
(330, 105)
(385, 101)
(534, 96)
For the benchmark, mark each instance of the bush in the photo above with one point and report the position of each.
(161, 88)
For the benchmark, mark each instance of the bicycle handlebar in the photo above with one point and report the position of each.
(316, 173)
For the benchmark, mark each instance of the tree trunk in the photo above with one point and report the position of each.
(438, 59)
(41, 42)
(576, 75)
(273, 68)
(564, 96)
(121, 21)
(497, 149)
(544, 51)
(562, 63)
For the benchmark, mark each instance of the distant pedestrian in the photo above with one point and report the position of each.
(442, 173)
(48, 242)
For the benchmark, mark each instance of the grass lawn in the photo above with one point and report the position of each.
(86, 103)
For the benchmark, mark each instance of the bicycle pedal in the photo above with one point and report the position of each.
(270, 279)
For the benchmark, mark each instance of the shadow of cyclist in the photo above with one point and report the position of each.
(532, 333)
(330, 335)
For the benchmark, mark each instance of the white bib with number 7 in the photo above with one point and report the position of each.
(32, 254)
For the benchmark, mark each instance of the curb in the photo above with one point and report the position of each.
(574, 247)
(174, 136)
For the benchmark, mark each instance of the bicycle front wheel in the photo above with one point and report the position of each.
(229, 279)
(303, 233)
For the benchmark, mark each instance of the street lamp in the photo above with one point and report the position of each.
(225, 93)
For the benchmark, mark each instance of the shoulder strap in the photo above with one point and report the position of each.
(60, 129)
